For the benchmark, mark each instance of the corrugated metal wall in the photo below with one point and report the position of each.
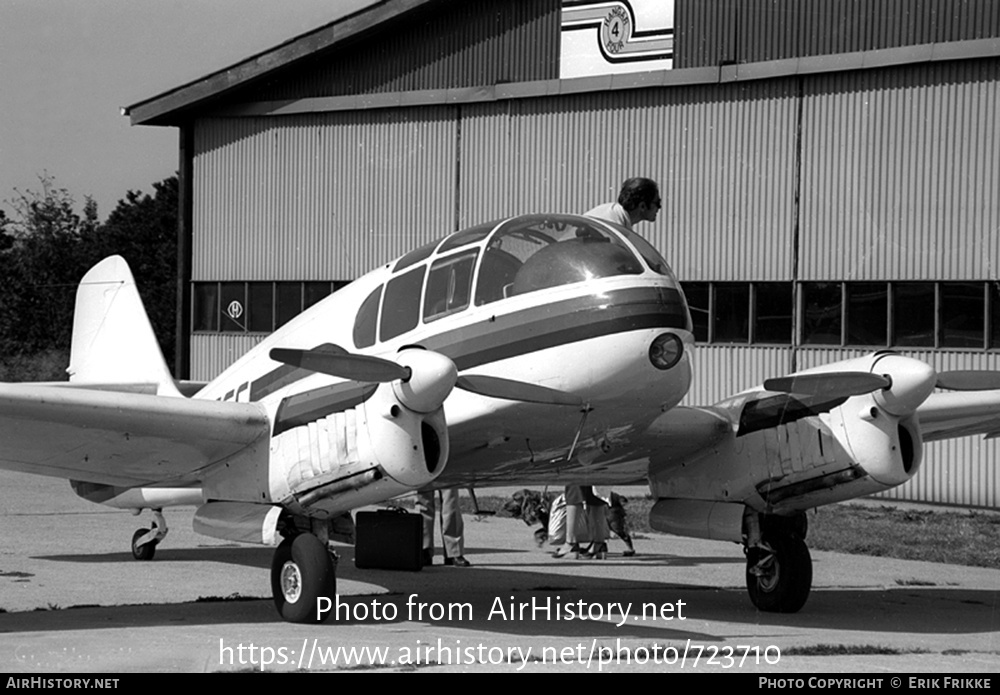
(715, 32)
(445, 46)
(211, 354)
(724, 370)
(900, 173)
(724, 157)
(324, 197)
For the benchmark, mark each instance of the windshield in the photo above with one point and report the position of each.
(536, 253)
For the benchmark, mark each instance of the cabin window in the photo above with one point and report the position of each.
(652, 257)
(449, 285)
(366, 320)
(415, 256)
(538, 253)
(401, 308)
(468, 236)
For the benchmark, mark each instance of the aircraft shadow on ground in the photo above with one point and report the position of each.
(903, 609)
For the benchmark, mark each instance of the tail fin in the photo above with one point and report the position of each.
(114, 346)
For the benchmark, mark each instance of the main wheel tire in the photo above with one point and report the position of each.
(784, 583)
(302, 573)
(146, 551)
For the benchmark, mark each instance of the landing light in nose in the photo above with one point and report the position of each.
(666, 351)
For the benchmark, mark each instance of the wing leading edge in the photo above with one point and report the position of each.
(123, 439)
(959, 414)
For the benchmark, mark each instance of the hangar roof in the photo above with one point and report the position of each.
(170, 107)
(397, 53)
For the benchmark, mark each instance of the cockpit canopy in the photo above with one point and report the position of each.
(495, 261)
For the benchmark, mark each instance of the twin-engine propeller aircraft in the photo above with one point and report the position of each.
(544, 349)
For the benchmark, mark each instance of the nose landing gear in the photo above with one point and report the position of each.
(144, 541)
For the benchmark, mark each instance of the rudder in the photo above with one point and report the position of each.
(113, 341)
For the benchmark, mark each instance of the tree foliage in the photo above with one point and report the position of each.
(46, 247)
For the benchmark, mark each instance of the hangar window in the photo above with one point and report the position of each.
(772, 313)
(260, 307)
(731, 322)
(741, 312)
(821, 313)
(697, 294)
(449, 285)
(206, 307)
(913, 312)
(253, 307)
(867, 313)
(401, 308)
(233, 300)
(963, 309)
(994, 331)
(288, 301)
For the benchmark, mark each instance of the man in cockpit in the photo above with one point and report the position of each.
(638, 201)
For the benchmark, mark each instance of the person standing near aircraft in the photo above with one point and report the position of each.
(597, 526)
(452, 527)
(638, 201)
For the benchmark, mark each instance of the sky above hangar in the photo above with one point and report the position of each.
(68, 66)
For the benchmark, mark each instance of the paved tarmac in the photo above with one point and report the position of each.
(76, 601)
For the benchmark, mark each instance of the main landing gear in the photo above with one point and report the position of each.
(779, 568)
(145, 540)
(303, 571)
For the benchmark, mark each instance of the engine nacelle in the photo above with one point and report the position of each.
(362, 455)
(880, 428)
(888, 448)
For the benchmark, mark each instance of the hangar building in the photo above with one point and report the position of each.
(830, 170)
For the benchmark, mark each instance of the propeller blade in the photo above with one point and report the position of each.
(496, 387)
(829, 384)
(345, 365)
(969, 380)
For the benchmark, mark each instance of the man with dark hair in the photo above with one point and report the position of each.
(638, 201)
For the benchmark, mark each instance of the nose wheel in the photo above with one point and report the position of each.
(144, 541)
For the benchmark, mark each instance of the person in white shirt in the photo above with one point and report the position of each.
(638, 201)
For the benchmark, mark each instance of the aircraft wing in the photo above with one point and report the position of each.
(124, 439)
(959, 414)
(684, 434)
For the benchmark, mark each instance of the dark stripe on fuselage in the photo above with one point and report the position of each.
(284, 375)
(502, 337)
(561, 323)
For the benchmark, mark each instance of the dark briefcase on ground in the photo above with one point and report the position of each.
(388, 539)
